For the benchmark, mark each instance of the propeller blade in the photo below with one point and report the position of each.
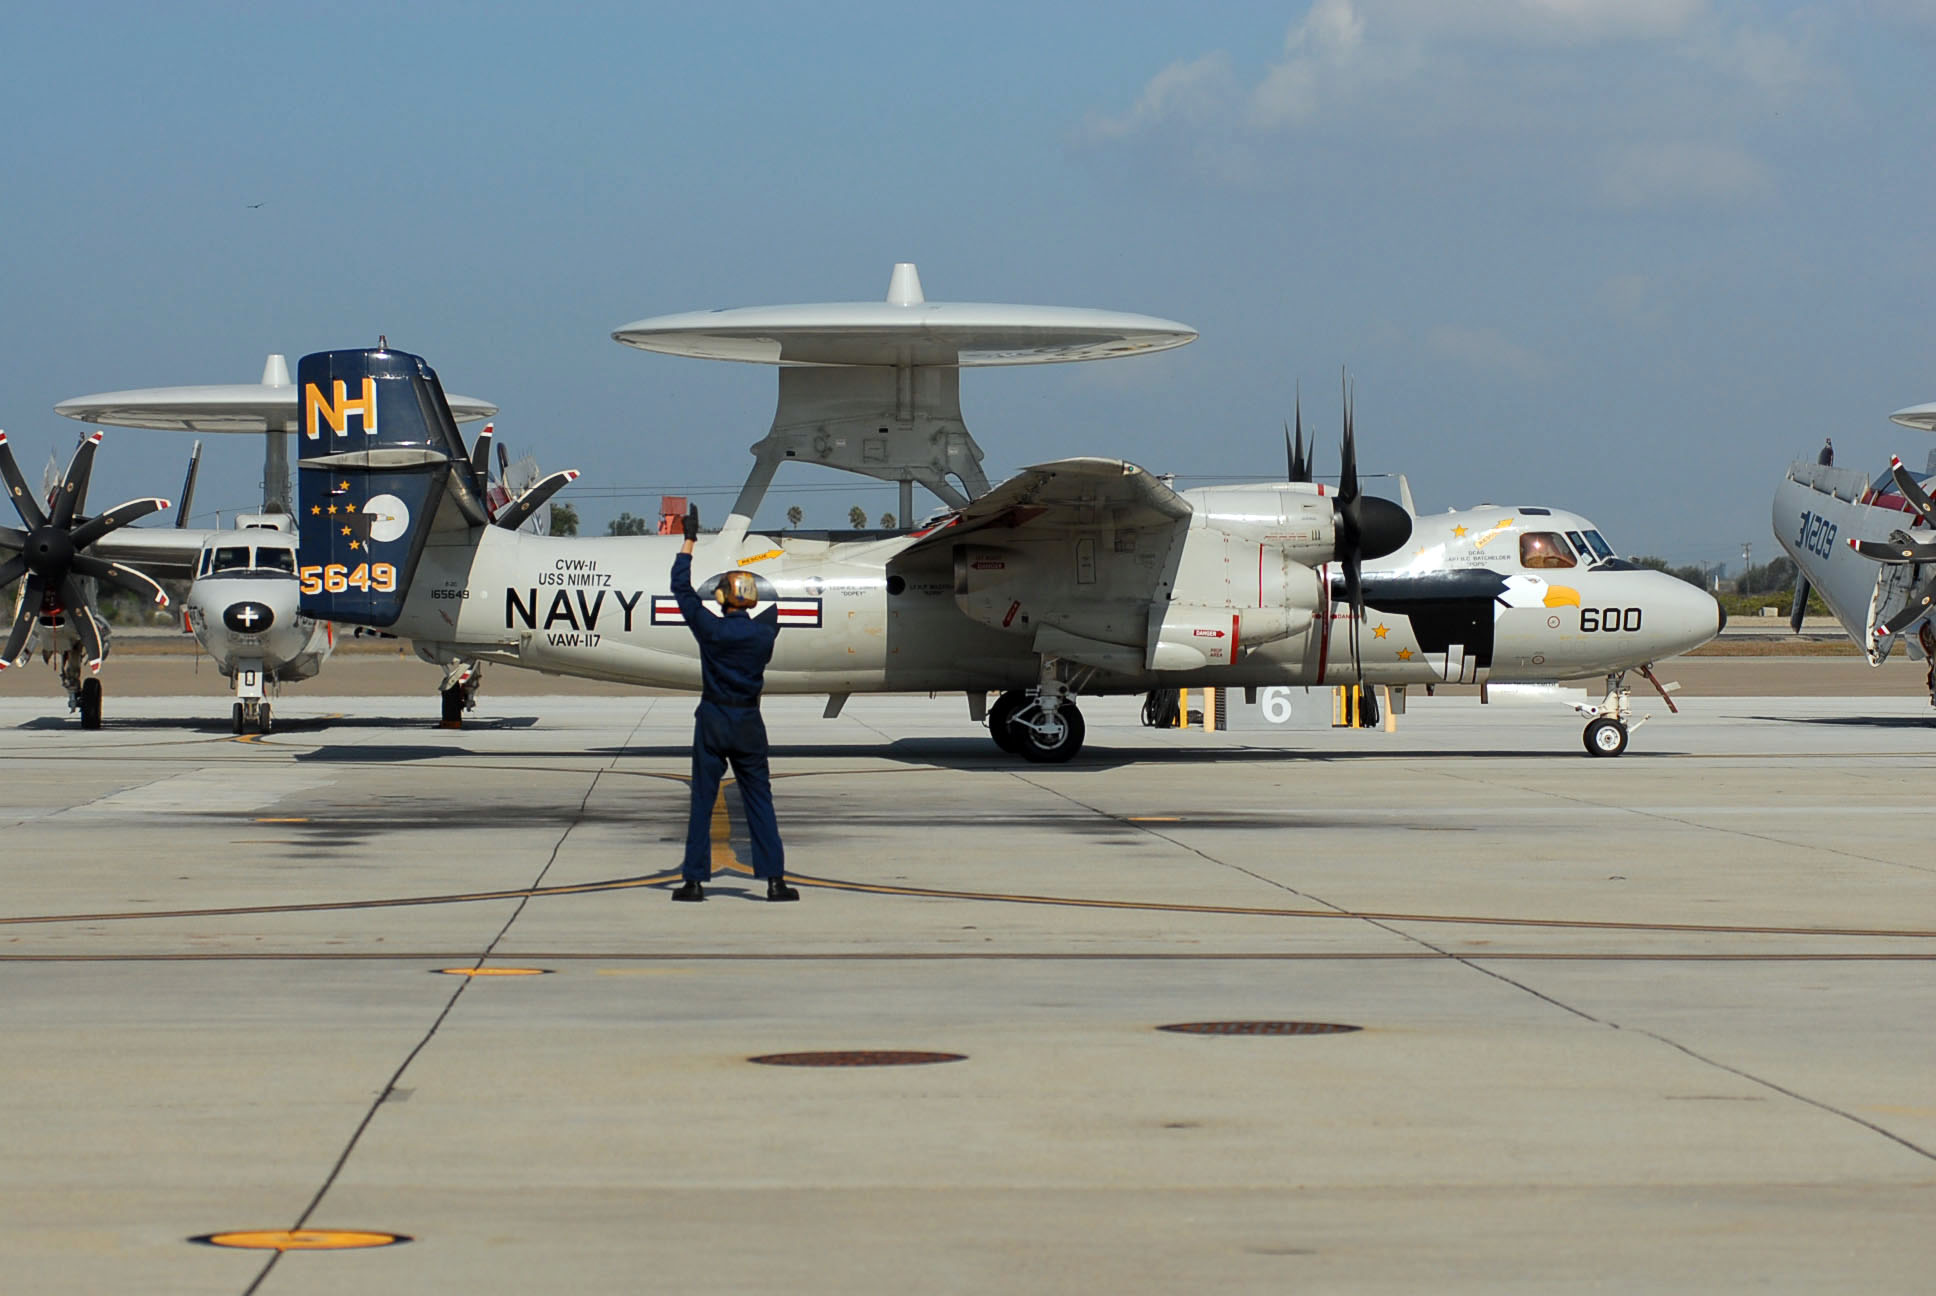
(122, 575)
(12, 539)
(1899, 548)
(1911, 489)
(1348, 470)
(1798, 608)
(81, 617)
(1300, 463)
(73, 487)
(532, 500)
(1913, 611)
(23, 624)
(12, 570)
(23, 499)
(188, 485)
(481, 456)
(119, 516)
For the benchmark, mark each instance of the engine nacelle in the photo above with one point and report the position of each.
(1291, 517)
(1194, 635)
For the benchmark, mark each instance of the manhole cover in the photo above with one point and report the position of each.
(1260, 1028)
(300, 1239)
(857, 1058)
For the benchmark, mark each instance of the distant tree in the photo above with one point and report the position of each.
(564, 520)
(857, 517)
(627, 525)
(794, 515)
(887, 521)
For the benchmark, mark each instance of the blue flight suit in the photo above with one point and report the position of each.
(733, 652)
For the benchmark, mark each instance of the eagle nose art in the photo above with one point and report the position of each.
(248, 617)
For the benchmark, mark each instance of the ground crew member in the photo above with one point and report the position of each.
(733, 652)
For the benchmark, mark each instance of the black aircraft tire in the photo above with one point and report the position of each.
(1054, 751)
(91, 704)
(1605, 737)
(453, 698)
(998, 717)
(235, 717)
(263, 721)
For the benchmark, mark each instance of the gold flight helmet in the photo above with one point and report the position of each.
(736, 590)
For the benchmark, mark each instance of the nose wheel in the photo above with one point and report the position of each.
(252, 715)
(1605, 737)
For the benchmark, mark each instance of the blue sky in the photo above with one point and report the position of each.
(1625, 256)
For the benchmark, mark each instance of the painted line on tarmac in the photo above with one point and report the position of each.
(977, 956)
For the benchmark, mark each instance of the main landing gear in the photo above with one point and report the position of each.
(83, 695)
(1040, 724)
(459, 692)
(1022, 724)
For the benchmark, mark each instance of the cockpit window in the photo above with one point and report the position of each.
(282, 560)
(1544, 549)
(1601, 548)
(232, 558)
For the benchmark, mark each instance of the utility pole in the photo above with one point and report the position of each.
(1747, 563)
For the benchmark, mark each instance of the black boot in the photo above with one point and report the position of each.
(689, 890)
(777, 889)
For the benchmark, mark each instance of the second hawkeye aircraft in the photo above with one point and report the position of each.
(1076, 578)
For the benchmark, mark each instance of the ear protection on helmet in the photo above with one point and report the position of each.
(736, 589)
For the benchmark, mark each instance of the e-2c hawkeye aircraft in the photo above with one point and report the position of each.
(1076, 578)
(1866, 546)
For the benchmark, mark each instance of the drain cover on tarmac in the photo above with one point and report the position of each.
(857, 1058)
(300, 1239)
(1260, 1028)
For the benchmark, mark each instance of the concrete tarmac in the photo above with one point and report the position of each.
(1652, 1023)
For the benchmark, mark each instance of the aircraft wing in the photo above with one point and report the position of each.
(164, 553)
(1068, 495)
(1080, 554)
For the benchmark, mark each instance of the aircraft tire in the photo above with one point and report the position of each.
(999, 717)
(453, 699)
(235, 717)
(1605, 737)
(91, 704)
(263, 722)
(1044, 750)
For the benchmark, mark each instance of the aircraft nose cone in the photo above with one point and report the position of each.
(1383, 527)
(248, 617)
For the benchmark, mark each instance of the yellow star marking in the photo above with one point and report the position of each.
(332, 510)
(347, 531)
(1459, 531)
(1378, 632)
(356, 544)
(342, 485)
(315, 510)
(349, 508)
(1404, 654)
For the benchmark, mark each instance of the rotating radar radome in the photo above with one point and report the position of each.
(874, 387)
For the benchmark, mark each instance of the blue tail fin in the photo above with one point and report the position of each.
(379, 449)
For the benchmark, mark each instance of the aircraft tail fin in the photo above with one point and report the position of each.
(381, 459)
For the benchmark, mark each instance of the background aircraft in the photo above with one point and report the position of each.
(1865, 545)
(1080, 577)
(242, 604)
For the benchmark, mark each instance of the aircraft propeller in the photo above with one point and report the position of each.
(52, 552)
(1367, 527)
(1901, 548)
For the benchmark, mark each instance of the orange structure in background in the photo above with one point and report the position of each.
(672, 508)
